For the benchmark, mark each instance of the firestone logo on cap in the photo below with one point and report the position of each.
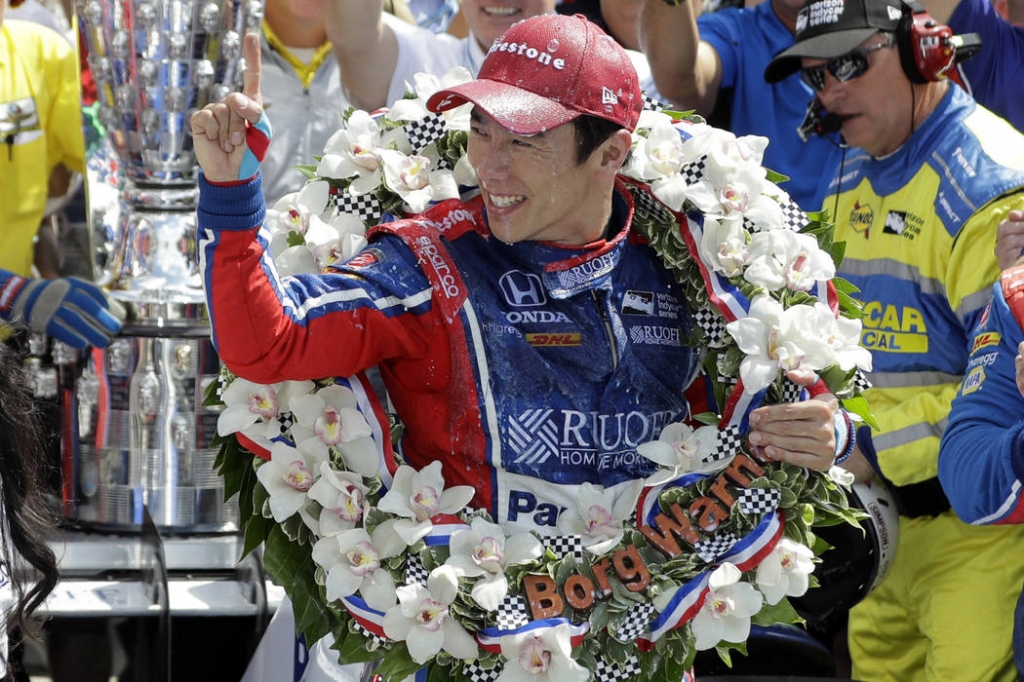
(824, 12)
(523, 50)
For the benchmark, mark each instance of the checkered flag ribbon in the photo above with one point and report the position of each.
(365, 206)
(380, 641)
(646, 203)
(475, 673)
(729, 444)
(512, 613)
(710, 549)
(635, 623)
(609, 671)
(652, 104)
(415, 572)
(793, 217)
(861, 381)
(425, 131)
(563, 545)
(285, 421)
(713, 326)
(790, 391)
(759, 500)
(694, 171)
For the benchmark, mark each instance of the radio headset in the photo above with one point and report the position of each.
(928, 52)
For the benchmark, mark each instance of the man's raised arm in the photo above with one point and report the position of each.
(686, 70)
(230, 137)
(366, 50)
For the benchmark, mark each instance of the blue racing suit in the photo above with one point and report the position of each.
(527, 369)
(981, 461)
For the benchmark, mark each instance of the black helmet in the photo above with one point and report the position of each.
(859, 558)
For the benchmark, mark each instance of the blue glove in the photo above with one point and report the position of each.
(68, 309)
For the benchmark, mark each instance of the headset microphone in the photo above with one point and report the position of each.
(830, 123)
(818, 121)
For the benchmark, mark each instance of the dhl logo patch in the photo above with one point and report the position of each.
(539, 340)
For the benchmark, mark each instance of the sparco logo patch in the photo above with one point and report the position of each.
(445, 278)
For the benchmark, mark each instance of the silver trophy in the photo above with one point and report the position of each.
(136, 434)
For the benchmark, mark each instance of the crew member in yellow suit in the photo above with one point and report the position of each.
(40, 131)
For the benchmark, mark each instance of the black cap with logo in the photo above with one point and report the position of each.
(830, 28)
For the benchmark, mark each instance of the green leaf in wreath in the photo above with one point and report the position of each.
(291, 566)
(772, 614)
(398, 664)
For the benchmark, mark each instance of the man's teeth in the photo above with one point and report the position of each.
(500, 11)
(502, 202)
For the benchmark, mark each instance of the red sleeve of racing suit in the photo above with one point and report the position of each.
(267, 328)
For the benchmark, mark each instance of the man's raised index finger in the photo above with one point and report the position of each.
(251, 76)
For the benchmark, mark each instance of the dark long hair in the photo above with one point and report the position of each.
(26, 521)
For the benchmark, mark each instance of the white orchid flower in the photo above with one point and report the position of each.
(728, 607)
(600, 514)
(723, 246)
(314, 197)
(290, 474)
(422, 620)
(416, 496)
(330, 415)
(342, 496)
(335, 241)
(254, 408)
(352, 153)
(727, 155)
(296, 260)
(353, 564)
(482, 551)
(777, 339)
(738, 197)
(784, 572)
(658, 155)
(681, 449)
(425, 85)
(411, 177)
(843, 339)
(782, 258)
(541, 655)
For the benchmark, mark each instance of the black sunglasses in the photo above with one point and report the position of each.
(843, 68)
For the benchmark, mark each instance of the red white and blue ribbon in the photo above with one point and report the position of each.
(443, 526)
(371, 619)
(758, 544)
(489, 639)
(684, 605)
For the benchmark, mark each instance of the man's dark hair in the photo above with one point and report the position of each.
(591, 131)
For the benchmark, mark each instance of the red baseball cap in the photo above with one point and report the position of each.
(547, 70)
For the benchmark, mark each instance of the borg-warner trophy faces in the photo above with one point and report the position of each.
(143, 433)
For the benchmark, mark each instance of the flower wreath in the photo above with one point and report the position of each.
(397, 567)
